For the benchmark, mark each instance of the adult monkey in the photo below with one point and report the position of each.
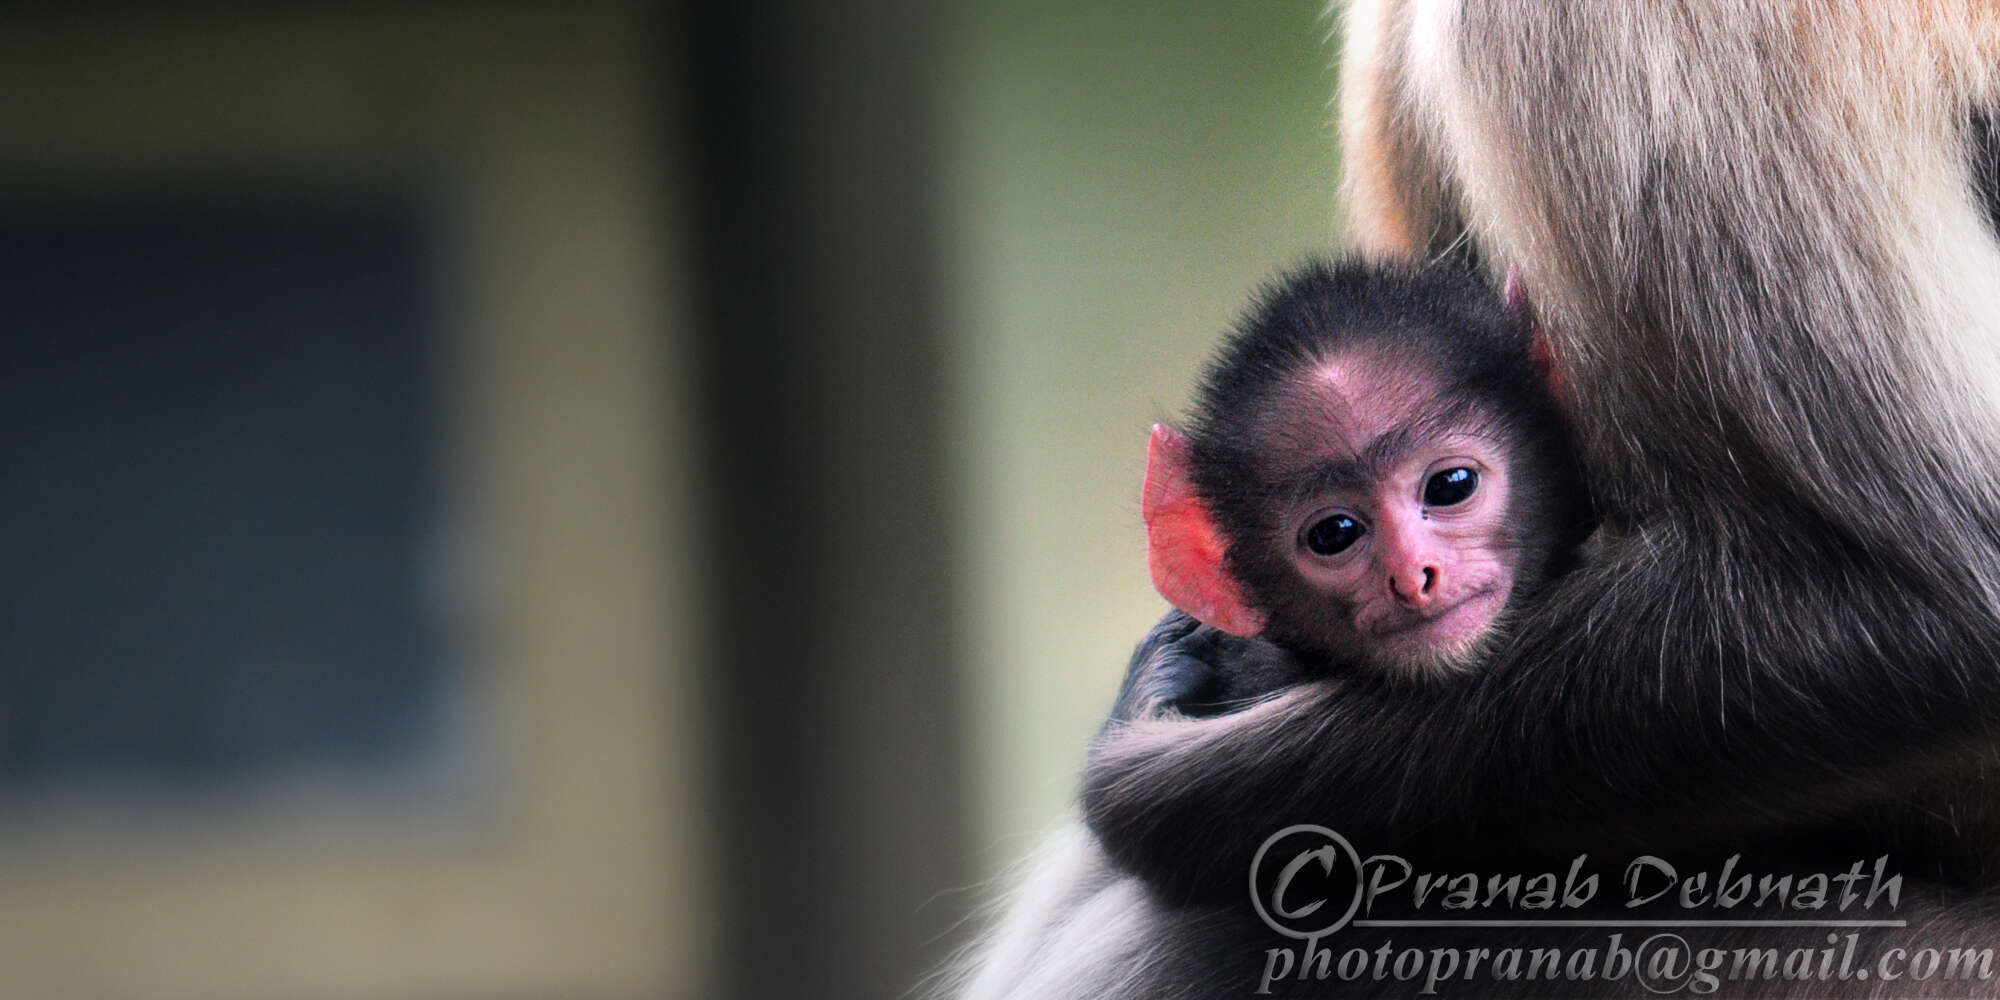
(1760, 237)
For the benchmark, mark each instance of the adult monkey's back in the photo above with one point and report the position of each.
(1759, 236)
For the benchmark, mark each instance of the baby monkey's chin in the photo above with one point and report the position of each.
(1455, 639)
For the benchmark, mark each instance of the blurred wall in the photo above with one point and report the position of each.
(1118, 177)
(573, 873)
(804, 355)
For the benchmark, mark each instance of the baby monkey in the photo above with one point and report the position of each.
(1375, 473)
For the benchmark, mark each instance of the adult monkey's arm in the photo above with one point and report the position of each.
(1759, 244)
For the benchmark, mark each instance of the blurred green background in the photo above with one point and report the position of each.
(739, 540)
(1118, 178)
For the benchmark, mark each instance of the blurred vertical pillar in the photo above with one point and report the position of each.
(839, 763)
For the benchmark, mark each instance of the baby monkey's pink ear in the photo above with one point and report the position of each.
(1183, 545)
(1513, 292)
(1544, 359)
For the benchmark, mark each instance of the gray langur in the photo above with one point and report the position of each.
(1759, 235)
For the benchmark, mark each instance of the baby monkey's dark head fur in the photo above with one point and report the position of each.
(1378, 451)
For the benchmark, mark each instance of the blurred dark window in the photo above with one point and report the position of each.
(220, 498)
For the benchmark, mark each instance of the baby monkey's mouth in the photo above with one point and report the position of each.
(1465, 619)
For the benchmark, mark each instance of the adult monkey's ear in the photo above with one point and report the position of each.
(1184, 547)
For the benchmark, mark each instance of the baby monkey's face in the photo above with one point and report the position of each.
(1416, 556)
(1390, 504)
(1396, 517)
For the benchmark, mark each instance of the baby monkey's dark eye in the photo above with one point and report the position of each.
(1450, 486)
(1331, 535)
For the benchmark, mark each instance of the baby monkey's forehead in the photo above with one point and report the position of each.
(1351, 418)
(1351, 400)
